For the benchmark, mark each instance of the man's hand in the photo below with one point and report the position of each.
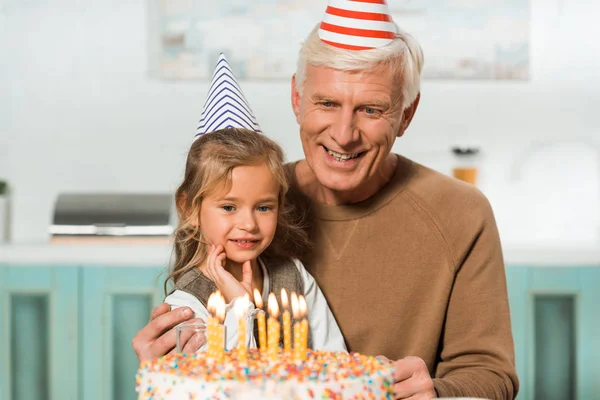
(157, 338)
(412, 379)
(227, 284)
(191, 341)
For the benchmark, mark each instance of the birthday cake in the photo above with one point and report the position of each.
(323, 375)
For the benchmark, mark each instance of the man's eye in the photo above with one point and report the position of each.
(327, 104)
(371, 111)
(228, 208)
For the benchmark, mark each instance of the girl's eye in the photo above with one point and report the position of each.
(228, 208)
(264, 208)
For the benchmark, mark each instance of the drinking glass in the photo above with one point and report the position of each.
(190, 337)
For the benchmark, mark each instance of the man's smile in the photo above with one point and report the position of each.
(342, 156)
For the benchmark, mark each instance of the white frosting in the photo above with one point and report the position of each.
(158, 386)
(323, 375)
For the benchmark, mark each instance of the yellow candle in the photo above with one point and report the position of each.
(304, 337)
(220, 340)
(297, 344)
(210, 340)
(262, 330)
(273, 327)
(220, 336)
(210, 326)
(287, 323)
(273, 338)
(303, 327)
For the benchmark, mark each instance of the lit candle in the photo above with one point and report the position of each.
(262, 330)
(273, 327)
(241, 311)
(303, 326)
(211, 326)
(220, 328)
(287, 323)
(297, 337)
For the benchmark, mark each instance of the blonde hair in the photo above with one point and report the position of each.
(210, 162)
(403, 56)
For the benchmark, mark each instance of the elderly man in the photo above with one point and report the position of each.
(409, 259)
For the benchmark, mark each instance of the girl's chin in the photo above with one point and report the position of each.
(237, 260)
(241, 257)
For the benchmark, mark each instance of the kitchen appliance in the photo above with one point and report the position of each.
(113, 217)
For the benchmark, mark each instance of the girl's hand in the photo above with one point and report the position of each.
(227, 284)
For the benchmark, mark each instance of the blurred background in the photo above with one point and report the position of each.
(99, 103)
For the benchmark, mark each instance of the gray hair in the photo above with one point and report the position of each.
(403, 56)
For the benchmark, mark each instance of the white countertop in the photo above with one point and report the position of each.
(546, 256)
(105, 255)
(145, 255)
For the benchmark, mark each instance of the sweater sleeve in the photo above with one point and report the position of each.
(477, 349)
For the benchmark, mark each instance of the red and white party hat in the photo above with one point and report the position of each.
(357, 24)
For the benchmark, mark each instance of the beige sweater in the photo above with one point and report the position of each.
(418, 270)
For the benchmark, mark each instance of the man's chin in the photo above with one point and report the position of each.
(339, 185)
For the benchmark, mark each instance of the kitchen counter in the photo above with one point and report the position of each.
(541, 256)
(104, 255)
(145, 255)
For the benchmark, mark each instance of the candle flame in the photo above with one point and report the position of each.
(219, 304)
(284, 299)
(221, 313)
(273, 306)
(258, 299)
(303, 306)
(295, 306)
(210, 306)
(241, 306)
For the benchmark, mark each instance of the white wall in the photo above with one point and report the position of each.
(80, 112)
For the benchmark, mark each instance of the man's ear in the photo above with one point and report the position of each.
(408, 114)
(295, 99)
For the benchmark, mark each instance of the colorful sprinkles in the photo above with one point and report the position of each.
(335, 370)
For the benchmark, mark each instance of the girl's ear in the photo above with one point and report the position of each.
(185, 210)
(180, 203)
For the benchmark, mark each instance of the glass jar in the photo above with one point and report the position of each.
(466, 163)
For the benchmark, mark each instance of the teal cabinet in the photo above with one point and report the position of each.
(65, 332)
(39, 333)
(555, 316)
(116, 304)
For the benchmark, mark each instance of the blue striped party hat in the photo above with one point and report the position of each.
(226, 106)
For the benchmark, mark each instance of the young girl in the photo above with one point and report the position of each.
(234, 233)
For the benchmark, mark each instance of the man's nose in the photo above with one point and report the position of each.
(344, 130)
